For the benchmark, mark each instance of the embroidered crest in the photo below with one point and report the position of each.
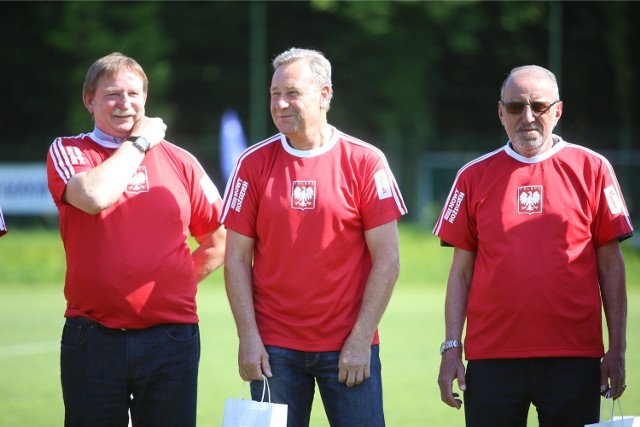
(303, 195)
(530, 199)
(139, 181)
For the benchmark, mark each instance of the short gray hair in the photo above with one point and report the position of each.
(320, 66)
(534, 68)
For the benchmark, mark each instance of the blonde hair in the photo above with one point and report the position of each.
(107, 66)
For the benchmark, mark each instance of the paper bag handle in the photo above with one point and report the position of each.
(613, 407)
(265, 387)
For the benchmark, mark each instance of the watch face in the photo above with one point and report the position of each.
(142, 144)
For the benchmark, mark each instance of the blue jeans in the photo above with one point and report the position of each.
(106, 372)
(295, 374)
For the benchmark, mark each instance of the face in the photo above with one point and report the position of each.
(117, 103)
(530, 131)
(297, 101)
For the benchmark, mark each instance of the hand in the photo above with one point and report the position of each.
(354, 363)
(253, 360)
(451, 367)
(152, 128)
(612, 375)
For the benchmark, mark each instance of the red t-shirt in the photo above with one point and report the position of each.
(130, 266)
(308, 211)
(535, 224)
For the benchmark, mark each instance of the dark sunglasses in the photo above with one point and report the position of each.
(536, 107)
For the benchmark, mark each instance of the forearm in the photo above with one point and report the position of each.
(612, 277)
(99, 188)
(383, 246)
(239, 287)
(209, 255)
(457, 294)
(238, 279)
(377, 295)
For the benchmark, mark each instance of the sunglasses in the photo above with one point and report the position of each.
(537, 108)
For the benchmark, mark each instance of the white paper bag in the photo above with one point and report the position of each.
(250, 413)
(615, 421)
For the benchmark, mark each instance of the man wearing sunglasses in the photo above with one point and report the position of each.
(536, 227)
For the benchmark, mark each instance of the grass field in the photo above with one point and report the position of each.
(31, 307)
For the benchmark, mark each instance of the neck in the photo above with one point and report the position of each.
(311, 141)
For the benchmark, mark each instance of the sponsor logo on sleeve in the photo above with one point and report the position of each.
(303, 195)
(382, 184)
(613, 200)
(75, 156)
(453, 206)
(530, 199)
(239, 191)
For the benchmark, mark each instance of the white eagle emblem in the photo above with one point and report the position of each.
(303, 195)
(139, 181)
(530, 199)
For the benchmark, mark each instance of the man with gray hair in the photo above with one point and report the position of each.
(536, 227)
(312, 253)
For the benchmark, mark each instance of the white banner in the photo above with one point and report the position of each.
(24, 190)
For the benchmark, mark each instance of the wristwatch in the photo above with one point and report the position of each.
(141, 143)
(449, 344)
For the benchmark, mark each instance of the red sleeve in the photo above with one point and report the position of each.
(66, 157)
(456, 224)
(381, 198)
(612, 219)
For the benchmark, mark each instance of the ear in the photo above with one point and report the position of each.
(500, 114)
(87, 99)
(558, 113)
(325, 91)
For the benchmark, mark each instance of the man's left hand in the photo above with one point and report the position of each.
(354, 363)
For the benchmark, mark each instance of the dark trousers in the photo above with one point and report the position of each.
(108, 372)
(565, 392)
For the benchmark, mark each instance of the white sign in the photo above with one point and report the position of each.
(24, 190)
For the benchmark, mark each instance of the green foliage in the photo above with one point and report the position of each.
(90, 30)
(410, 77)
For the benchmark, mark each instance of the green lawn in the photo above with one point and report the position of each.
(31, 307)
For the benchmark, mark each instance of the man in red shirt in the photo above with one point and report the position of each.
(127, 201)
(312, 253)
(536, 228)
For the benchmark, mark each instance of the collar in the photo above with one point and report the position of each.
(105, 139)
(558, 144)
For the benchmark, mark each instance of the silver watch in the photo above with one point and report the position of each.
(449, 344)
(141, 143)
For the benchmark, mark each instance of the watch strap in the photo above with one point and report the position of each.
(449, 344)
(140, 142)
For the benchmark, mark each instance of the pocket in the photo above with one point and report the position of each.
(182, 333)
(74, 333)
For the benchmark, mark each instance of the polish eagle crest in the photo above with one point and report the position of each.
(303, 195)
(530, 199)
(139, 181)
